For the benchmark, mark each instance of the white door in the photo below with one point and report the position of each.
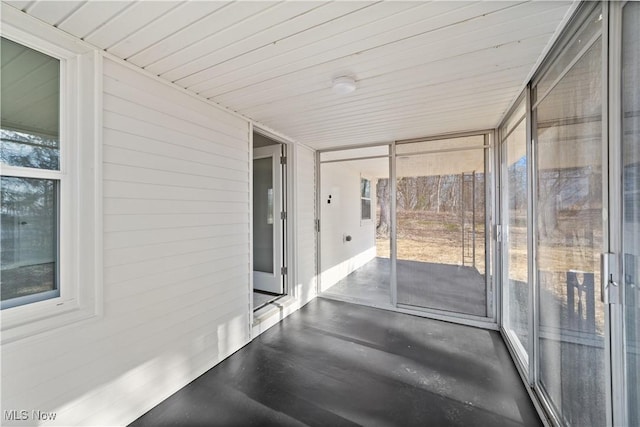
(267, 222)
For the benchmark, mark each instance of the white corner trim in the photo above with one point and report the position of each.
(98, 184)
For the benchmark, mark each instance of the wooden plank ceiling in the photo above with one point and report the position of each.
(422, 68)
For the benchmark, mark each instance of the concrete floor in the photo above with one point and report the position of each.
(370, 284)
(339, 364)
(459, 289)
(260, 299)
(438, 286)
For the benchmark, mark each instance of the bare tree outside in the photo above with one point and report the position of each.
(435, 215)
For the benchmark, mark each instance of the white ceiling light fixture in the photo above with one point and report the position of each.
(344, 84)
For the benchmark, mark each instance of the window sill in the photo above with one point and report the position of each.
(23, 322)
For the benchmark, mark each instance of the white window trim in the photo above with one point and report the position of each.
(80, 177)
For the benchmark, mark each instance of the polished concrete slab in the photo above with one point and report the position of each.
(458, 289)
(370, 284)
(338, 364)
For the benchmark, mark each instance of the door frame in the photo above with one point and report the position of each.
(274, 152)
(618, 379)
(502, 235)
(289, 256)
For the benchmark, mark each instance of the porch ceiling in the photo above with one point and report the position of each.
(422, 68)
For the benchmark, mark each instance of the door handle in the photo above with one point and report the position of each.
(609, 288)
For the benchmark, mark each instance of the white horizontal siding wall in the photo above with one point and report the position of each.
(306, 231)
(176, 262)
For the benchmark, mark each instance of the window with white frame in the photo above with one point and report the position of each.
(365, 199)
(50, 180)
(31, 175)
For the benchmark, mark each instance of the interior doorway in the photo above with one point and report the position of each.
(269, 220)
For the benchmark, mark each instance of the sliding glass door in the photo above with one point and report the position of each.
(404, 226)
(569, 201)
(570, 215)
(441, 222)
(630, 105)
(515, 254)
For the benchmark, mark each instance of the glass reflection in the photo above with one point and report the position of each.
(631, 200)
(569, 133)
(515, 199)
(29, 238)
(29, 114)
(263, 259)
(440, 211)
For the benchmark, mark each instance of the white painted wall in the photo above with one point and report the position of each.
(176, 181)
(176, 245)
(341, 217)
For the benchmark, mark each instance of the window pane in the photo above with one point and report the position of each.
(440, 213)
(588, 30)
(569, 203)
(366, 208)
(354, 153)
(365, 188)
(263, 258)
(29, 240)
(29, 113)
(516, 289)
(631, 200)
(465, 142)
(28, 150)
(514, 120)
